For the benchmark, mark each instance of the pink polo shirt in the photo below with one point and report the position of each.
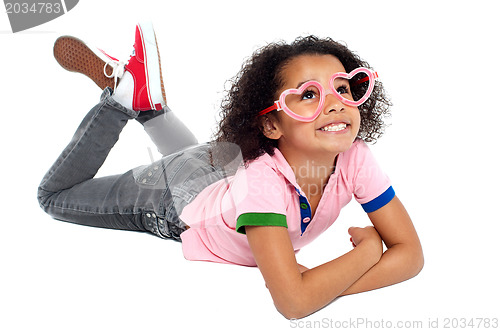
(267, 193)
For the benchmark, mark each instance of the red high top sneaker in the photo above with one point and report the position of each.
(106, 71)
(145, 67)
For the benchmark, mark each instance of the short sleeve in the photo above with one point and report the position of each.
(380, 201)
(260, 219)
(372, 187)
(259, 196)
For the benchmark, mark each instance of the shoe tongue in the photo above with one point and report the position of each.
(138, 52)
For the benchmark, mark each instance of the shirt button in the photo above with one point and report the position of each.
(304, 206)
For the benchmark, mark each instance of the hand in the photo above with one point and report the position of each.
(367, 235)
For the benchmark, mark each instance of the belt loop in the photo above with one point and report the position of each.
(156, 225)
(163, 227)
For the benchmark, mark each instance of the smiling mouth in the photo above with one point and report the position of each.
(334, 127)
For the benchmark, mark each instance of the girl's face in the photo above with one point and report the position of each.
(332, 132)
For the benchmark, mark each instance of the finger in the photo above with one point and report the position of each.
(352, 230)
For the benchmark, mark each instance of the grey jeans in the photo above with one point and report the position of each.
(147, 198)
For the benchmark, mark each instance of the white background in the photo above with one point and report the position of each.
(439, 63)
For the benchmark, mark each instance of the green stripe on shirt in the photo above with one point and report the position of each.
(260, 219)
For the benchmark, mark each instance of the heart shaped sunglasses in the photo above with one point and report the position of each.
(306, 102)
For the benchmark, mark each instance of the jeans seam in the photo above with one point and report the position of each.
(68, 153)
(65, 208)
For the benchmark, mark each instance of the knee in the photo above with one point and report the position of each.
(44, 198)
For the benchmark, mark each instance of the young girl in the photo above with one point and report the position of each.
(289, 154)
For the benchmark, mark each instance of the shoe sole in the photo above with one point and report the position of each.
(152, 63)
(161, 76)
(73, 55)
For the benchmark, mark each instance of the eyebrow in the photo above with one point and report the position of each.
(342, 79)
(303, 82)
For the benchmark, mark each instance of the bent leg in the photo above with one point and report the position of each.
(166, 131)
(69, 191)
(90, 145)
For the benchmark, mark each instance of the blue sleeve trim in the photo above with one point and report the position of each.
(380, 201)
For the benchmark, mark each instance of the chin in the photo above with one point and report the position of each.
(339, 147)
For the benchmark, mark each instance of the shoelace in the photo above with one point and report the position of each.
(118, 70)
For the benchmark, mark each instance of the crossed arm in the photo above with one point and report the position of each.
(298, 292)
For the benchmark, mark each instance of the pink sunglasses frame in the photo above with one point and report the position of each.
(280, 104)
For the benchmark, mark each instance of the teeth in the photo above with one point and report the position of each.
(337, 127)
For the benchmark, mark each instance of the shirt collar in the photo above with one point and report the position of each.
(284, 168)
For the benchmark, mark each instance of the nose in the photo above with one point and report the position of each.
(333, 104)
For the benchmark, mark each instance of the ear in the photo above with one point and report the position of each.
(270, 127)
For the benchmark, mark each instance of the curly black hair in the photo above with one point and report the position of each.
(255, 87)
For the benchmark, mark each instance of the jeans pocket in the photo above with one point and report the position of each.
(186, 191)
(152, 175)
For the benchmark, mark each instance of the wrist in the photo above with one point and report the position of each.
(372, 250)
